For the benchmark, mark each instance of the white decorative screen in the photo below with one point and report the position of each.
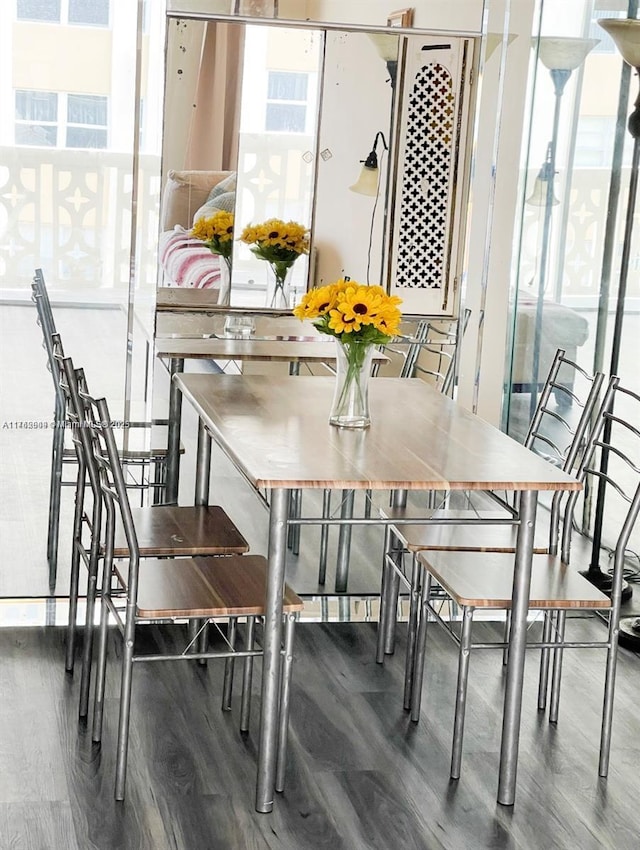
(426, 223)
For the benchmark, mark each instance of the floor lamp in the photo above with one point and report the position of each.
(561, 56)
(626, 34)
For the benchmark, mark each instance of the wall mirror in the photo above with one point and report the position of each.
(320, 126)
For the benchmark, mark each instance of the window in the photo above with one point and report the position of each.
(87, 12)
(36, 118)
(38, 10)
(286, 102)
(92, 12)
(52, 119)
(86, 121)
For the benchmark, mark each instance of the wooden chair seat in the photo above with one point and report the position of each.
(485, 580)
(182, 531)
(461, 538)
(204, 587)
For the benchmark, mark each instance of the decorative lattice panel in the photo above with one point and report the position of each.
(426, 228)
(424, 202)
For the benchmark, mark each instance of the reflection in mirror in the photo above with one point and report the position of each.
(286, 138)
(277, 143)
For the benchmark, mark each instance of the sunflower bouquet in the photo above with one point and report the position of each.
(216, 232)
(359, 317)
(279, 243)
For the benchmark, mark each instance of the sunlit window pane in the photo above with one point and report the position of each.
(86, 137)
(38, 10)
(87, 109)
(36, 106)
(95, 12)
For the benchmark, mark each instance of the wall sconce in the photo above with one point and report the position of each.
(539, 196)
(367, 182)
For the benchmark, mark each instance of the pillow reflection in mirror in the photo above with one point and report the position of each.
(184, 193)
(226, 201)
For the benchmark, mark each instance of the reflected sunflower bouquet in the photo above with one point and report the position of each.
(279, 243)
(216, 231)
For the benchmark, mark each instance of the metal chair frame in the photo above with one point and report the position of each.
(122, 606)
(600, 447)
(400, 543)
(59, 455)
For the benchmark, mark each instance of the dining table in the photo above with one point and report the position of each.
(272, 345)
(276, 432)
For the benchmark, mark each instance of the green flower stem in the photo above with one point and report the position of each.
(355, 355)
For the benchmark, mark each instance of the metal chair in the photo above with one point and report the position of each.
(471, 529)
(144, 450)
(138, 590)
(484, 579)
(163, 530)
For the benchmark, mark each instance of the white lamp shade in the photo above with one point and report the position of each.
(386, 45)
(367, 182)
(626, 34)
(564, 54)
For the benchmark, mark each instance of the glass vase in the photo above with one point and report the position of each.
(350, 407)
(224, 290)
(279, 286)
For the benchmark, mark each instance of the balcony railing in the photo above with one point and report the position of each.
(69, 212)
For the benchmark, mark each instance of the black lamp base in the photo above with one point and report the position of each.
(629, 635)
(603, 581)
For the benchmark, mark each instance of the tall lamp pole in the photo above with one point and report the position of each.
(626, 34)
(561, 56)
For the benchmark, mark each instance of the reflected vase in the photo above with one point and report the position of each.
(350, 407)
(224, 290)
(279, 286)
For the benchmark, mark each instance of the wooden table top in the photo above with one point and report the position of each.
(296, 350)
(170, 324)
(183, 298)
(276, 430)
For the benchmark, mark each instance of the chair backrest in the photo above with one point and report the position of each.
(47, 325)
(568, 387)
(429, 350)
(74, 386)
(112, 484)
(612, 459)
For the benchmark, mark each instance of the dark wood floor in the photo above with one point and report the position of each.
(360, 775)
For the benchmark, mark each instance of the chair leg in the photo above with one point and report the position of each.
(247, 676)
(384, 594)
(464, 656)
(389, 600)
(556, 674)
(507, 631)
(609, 690)
(55, 489)
(229, 664)
(98, 697)
(412, 632)
(74, 580)
(324, 537)
(543, 679)
(89, 624)
(295, 529)
(285, 699)
(418, 671)
(125, 702)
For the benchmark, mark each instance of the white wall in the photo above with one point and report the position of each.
(459, 15)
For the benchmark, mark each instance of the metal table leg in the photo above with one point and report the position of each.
(517, 647)
(269, 716)
(176, 364)
(344, 541)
